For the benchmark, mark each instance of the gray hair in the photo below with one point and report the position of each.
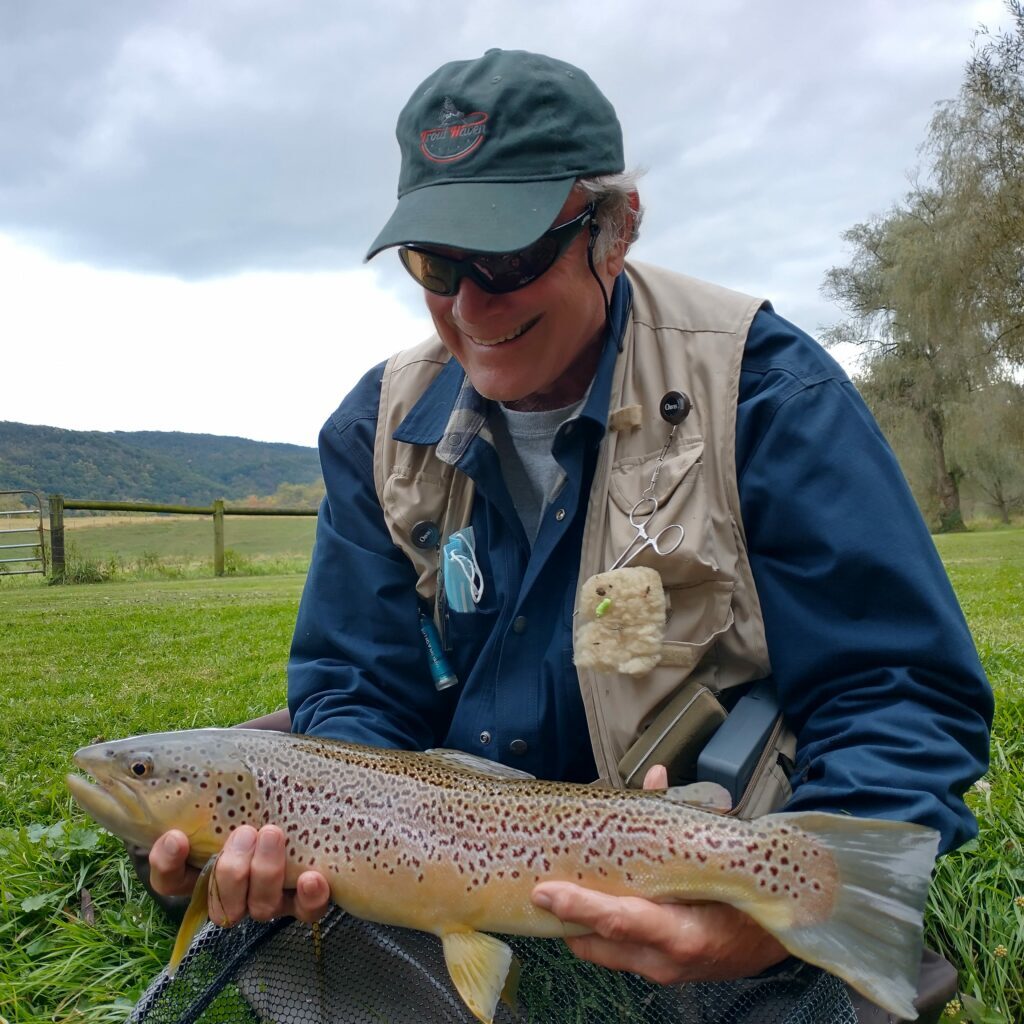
(616, 217)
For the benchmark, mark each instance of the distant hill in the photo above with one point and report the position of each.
(147, 465)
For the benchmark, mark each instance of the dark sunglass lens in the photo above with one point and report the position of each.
(434, 273)
(505, 272)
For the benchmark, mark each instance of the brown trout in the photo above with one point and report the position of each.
(452, 844)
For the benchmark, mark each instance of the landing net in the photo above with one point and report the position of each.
(349, 971)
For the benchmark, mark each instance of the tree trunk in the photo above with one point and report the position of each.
(1001, 501)
(946, 488)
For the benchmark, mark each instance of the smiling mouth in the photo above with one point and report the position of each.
(517, 333)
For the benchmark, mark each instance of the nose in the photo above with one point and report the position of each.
(471, 300)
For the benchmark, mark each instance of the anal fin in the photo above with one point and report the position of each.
(479, 966)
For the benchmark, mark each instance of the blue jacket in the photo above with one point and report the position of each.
(875, 668)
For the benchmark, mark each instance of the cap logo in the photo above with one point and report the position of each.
(456, 135)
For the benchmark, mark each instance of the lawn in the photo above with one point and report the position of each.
(187, 538)
(79, 940)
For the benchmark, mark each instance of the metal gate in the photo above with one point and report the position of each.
(9, 526)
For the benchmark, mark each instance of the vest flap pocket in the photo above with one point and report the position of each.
(410, 498)
(696, 616)
(683, 501)
(630, 477)
(407, 500)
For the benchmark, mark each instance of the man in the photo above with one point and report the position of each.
(803, 561)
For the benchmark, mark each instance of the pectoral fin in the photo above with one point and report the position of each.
(195, 917)
(479, 966)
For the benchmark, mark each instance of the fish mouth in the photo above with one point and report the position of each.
(114, 805)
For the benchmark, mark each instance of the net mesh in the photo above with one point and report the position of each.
(349, 971)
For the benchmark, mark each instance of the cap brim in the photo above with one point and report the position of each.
(474, 215)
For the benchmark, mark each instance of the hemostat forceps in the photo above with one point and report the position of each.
(664, 542)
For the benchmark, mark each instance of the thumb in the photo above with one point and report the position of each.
(656, 777)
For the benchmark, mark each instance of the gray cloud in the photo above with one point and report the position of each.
(200, 139)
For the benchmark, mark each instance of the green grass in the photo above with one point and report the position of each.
(190, 538)
(974, 914)
(79, 940)
(111, 660)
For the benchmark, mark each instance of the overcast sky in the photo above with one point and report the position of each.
(187, 188)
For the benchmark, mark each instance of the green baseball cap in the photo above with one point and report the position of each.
(491, 148)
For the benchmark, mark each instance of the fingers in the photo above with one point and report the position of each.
(312, 895)
(266, 875)
(618, 918)
(666, 943)
(627, 933)
(169, 871)
(229, 888)
(250, 879)
(656, 777)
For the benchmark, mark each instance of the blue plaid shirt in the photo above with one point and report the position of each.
(871, 657)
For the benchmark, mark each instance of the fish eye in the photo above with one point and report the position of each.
(140, 767)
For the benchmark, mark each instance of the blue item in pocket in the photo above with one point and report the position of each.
(463, 581)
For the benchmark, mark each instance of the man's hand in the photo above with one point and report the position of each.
(249, 877)
(666, 943)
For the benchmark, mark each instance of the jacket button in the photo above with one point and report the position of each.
(485, 737)
(560, 514)
(519, 624)
(518, 747)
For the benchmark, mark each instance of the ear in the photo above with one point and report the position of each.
(616, 258)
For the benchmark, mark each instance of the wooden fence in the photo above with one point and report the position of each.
(218, 510)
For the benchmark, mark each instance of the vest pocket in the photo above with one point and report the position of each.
(698, 594)
(682, 500)
(697, 615)
(408, 499)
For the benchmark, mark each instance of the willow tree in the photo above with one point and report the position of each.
(934, 290)
(990, 440)
(976, 145)
(911, 305)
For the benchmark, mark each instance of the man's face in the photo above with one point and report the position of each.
(535, 348)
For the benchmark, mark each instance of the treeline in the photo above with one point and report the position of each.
(168, 467)
(934, 294)
(287, 496)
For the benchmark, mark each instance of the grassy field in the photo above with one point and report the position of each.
(79, 940)
(189, 538)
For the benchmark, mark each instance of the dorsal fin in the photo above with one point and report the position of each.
(709, 796)
(480, 765)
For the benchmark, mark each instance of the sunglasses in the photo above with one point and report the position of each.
(496, 273)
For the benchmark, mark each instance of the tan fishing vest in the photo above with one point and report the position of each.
(683, 335)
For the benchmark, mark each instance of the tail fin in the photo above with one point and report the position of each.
(873, 937)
